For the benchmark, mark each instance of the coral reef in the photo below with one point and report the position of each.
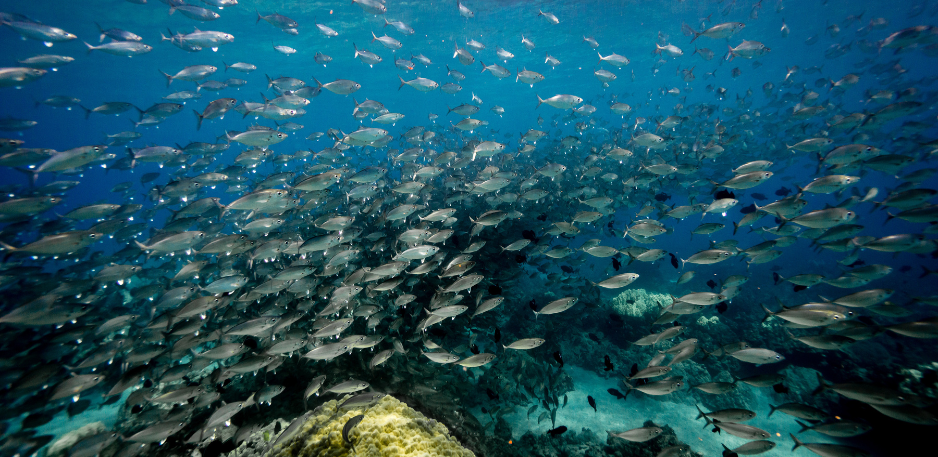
(639, 302)
(389, 428)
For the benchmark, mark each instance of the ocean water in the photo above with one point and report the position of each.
(727, 108)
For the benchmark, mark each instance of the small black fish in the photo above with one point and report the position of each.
(608, 363)
(498, 336)
(592, 402)
(557, 431)
(566, 269)
(783, 192)
(251, 343)
(564, 400)
(558, 358)
(484, 411)
(723, 194)
(634, 370)
(527, 234)
(780, 388)
(455, 241)
(857, 264)
(616, 318)
(798, 288)
(593, 337)
(748, 209)
(147, 383)
(721, 307)
(136, 409)
(533, 305)
(438, 332)
(758, 196)
(492, 395)
(495, 290)
(712, 284)
(474, 349)
(616, 264)
(929, 377)
(542, 217)
(630, 301)
(673, 260)
(616, 393)
(662, 197)
(776, 277)
(521, 258)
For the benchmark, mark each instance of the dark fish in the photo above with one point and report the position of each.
(783, 192)
(492, 395)
(799, 288)
(748, 209)
(566, 269)
(474, 349)
(929, 377)
(721, 307)
(36, 419)
(558, 358)
(674, 261)
(521, 258)
(616, 318)
(557, 431)
(495, 290)
(528, 235)
(758, 196)
(723, 194)
(633, 370)
(857, 264)
(438, 332)
(593, 337)
(662, 197)
(780, 388)
(592, 402)
(728, 453)
(542, 217)
(498, 336)
(776, 267)
(564, 400)
(78, 407)
(776, 277)
(608, 363)
(616, 393)
(348, 428)
(712, 284)
(616, 264)
(532, 304)
(630, 301)
(135, 409)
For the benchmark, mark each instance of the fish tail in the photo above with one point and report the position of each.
(888, 217)
(90, 47)
(804, 426)
(270, 82)
(600, 57)
(798, 443)
(402, 82)
(87, 111)
(169, 78)
(200, 117)
(701, 412)
(259, 17)
(226, 65)
(822, 386)
(772, 409)
(696, 35)
(539, 101)
(768, 313)
(735, 227)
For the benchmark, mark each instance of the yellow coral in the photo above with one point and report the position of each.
(389, 428)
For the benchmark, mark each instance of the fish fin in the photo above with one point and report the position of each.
(798, 443)
(804, 427)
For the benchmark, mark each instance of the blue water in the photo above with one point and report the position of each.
(627, 28)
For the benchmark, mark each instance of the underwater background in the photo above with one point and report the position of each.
(127, 324)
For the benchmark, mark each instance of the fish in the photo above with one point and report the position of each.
(592, 402)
